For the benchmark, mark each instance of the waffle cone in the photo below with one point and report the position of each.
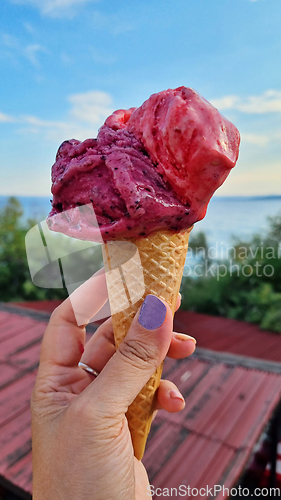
(134, 269)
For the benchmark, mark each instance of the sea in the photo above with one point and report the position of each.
(227, 218)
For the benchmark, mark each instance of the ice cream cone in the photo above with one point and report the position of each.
(134, 269)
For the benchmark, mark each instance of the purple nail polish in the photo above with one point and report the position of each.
(152, 313)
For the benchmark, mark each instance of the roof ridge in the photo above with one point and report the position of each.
(237, 360)
(35, 314)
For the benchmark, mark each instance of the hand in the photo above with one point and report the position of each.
(82, 447)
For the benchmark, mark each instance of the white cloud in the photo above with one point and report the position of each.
(9, 41)
(29, 28)
(5, 118)
(66, 59)
(87, 113)
(268, 102)
(54, 7)
(102, 57)
(257, 139)
(91, 107)
(262, 140)
(112, 22)
(31, 53)
(264, 179)
(37, 122)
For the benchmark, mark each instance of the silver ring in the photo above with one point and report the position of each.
(88, 369)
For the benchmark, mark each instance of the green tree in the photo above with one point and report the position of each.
(250, 290)
(15, 281)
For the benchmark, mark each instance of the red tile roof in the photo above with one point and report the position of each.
(40, 305)
(229, 400)
(212, 332)
(229, 335)
(211, 440)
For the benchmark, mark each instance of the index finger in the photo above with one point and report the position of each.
(64, 339)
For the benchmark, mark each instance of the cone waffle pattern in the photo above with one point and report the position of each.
(155, 269)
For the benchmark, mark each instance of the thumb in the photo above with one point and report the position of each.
(137, 358)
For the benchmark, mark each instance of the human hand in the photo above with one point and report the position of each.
(82, 447)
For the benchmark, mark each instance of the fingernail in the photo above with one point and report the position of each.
(176, 395)
(152, 313)
(182, 336)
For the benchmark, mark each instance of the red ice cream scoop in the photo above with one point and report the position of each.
(150, 168)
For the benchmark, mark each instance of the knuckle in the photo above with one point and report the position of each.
(137, 352)
(36, 400)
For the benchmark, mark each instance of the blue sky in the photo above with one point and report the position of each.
(66, 64)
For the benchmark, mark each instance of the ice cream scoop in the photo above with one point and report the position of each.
(150, 168)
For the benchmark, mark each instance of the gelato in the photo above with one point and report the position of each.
(150, 168)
